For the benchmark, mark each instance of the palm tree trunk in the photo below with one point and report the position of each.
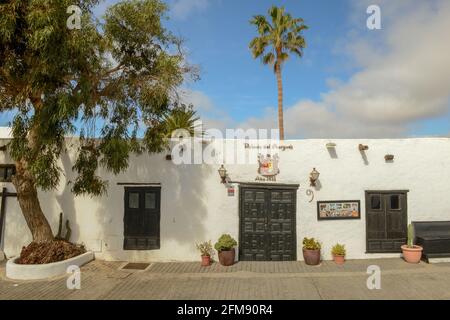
(280, 100)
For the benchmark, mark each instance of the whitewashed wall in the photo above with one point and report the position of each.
(195, 206)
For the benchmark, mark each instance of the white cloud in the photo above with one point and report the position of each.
(404, 77)
(211, 115)
(198, 99)
(315, 120)
(181, 9)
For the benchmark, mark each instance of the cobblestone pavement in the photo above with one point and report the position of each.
(244, 280)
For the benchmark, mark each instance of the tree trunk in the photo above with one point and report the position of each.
(280, 100)
(29, 204)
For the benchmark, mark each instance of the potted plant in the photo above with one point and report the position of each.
(311, 251)
(225, 247)
(206, 251)
(338, 252)
(411, 253)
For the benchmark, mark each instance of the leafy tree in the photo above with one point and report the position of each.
(278, 38)
(111, 79)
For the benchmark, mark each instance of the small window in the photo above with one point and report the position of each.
(6, 172)
(133, 200)
(375, 202)
(395, 202)
(150, 200)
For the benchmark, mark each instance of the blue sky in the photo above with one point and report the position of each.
(326, 92)
(351, 81)
(217, 39)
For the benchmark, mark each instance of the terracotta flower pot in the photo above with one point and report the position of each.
(339, 259)
(206, 261)
(312, 257)
(412, 255)
(226, 257)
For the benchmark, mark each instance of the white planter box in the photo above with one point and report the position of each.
(41, 271)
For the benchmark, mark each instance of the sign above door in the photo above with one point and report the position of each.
(267, 167)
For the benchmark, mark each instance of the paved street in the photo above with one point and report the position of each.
(245, 280)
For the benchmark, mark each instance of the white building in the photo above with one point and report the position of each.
(157, 210)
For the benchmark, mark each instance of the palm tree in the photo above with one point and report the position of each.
(276, 40)
(181, 118)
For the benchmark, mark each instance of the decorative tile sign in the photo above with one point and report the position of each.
(268, 167)
(341, 209)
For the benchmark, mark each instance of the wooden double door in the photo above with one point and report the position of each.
(267, 223)
(386, 221)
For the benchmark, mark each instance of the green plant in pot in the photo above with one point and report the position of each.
(338, 252)
(411, 253)
(311, 251)
(225, 247)
(206, 251)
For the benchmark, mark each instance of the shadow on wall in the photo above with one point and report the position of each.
(318, 185)
(66, 201)
(15, 231)
(183, 207)
(98, 221)
(332, 152)
(364, 157)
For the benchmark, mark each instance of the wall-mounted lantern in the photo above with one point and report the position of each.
(313, 176)
(223, 174)
(363, 147)
(389, 157)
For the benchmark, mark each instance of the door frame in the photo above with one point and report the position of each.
(268, 186)
(367, 200)
(143, 188)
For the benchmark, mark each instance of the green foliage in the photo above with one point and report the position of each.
(311, 244)
(112, 79)
(278, 37)
(338, 250)
(225, 243)
(86, 164)
(410, 236)
(181, 118)
(205, 248)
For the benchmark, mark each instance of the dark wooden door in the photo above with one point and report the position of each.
(142, 218)
(267, 224)
(386, 220)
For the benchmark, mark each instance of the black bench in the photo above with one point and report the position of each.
(434, 237)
